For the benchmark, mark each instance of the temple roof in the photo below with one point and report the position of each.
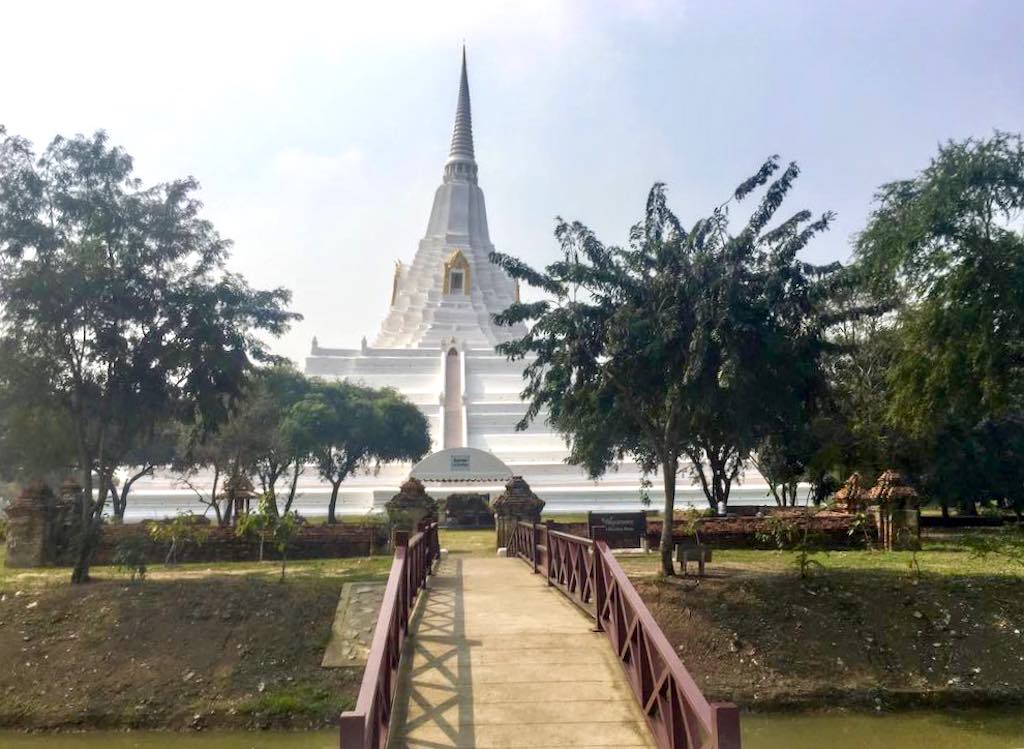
(462, 134)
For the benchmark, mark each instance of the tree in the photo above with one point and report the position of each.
(258, 524)
(285, 527)
(117, 306)
(946, 247)
(349, 428)
(688, 342)
(158, 446)
(262, 421)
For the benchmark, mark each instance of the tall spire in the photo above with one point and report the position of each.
(461, 159)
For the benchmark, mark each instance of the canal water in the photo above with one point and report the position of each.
(919, 730)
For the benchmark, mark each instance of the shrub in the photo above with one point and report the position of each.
(184, 529)
(786, 533)
(130, 557)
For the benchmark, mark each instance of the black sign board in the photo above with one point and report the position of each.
(623, 530)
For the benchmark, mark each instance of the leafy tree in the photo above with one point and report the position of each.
(257, 524)
(156, 447)
(685, 343)
(117, 307)
(285, 528)
(947, 246)
(261, 426)
(36, 440)
(130, 557)
(783, 458)
(349, 428)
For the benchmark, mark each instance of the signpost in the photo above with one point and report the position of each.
(623, 530)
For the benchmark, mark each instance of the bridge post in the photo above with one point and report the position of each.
(550, 525)
(352, 731)
(533, 546)
(597, 584)
(402, 543)
(725, 725)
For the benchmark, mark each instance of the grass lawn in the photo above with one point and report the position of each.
(195, 645)
(475, 542)
(351, 569)
(941, 554)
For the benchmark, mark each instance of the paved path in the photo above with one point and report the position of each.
(499, 659)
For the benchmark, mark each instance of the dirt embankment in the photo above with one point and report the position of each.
(851, 638)
(239, 652)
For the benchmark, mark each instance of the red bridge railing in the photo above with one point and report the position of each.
(585, 570)
(366, 727)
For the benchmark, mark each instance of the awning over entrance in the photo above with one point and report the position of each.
(459, 465)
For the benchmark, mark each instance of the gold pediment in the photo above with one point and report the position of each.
(456, 262)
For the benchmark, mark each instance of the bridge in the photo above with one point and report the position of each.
(550, 647)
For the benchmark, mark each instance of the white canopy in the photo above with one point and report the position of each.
(461, 464)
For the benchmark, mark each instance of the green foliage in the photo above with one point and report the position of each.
(266, 524)
(695, 342)
(948, 243)
(688, 521)
(861, 526)
(1008, 545)
(283, 530)
(291, 700)
(257, 524)
(786, 533)
(117, 306)
(185, 528)
(260, 429)
(130, 557)
(348, 428)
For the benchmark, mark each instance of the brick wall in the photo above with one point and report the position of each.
(311, 542)
(832, 528)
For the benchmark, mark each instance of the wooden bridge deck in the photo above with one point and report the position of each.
(496, 658)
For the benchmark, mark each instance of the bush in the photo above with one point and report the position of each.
(786, 533)
(130, 557)
(186, 528)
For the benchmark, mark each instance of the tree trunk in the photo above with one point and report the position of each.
(331, 518)
(668, 470)
(296, 472)
(945, 510)
(87, 537)
(88, 532)
(284, 562)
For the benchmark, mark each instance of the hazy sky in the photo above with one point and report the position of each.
(319, 131)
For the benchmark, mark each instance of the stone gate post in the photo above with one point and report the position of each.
(28, 527)
(517, 503)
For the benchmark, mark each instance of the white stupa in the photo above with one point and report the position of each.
(436, 347)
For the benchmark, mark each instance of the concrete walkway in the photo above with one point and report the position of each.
(499, 659)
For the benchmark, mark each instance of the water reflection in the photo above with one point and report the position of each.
(972, 729)
(167, 740)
